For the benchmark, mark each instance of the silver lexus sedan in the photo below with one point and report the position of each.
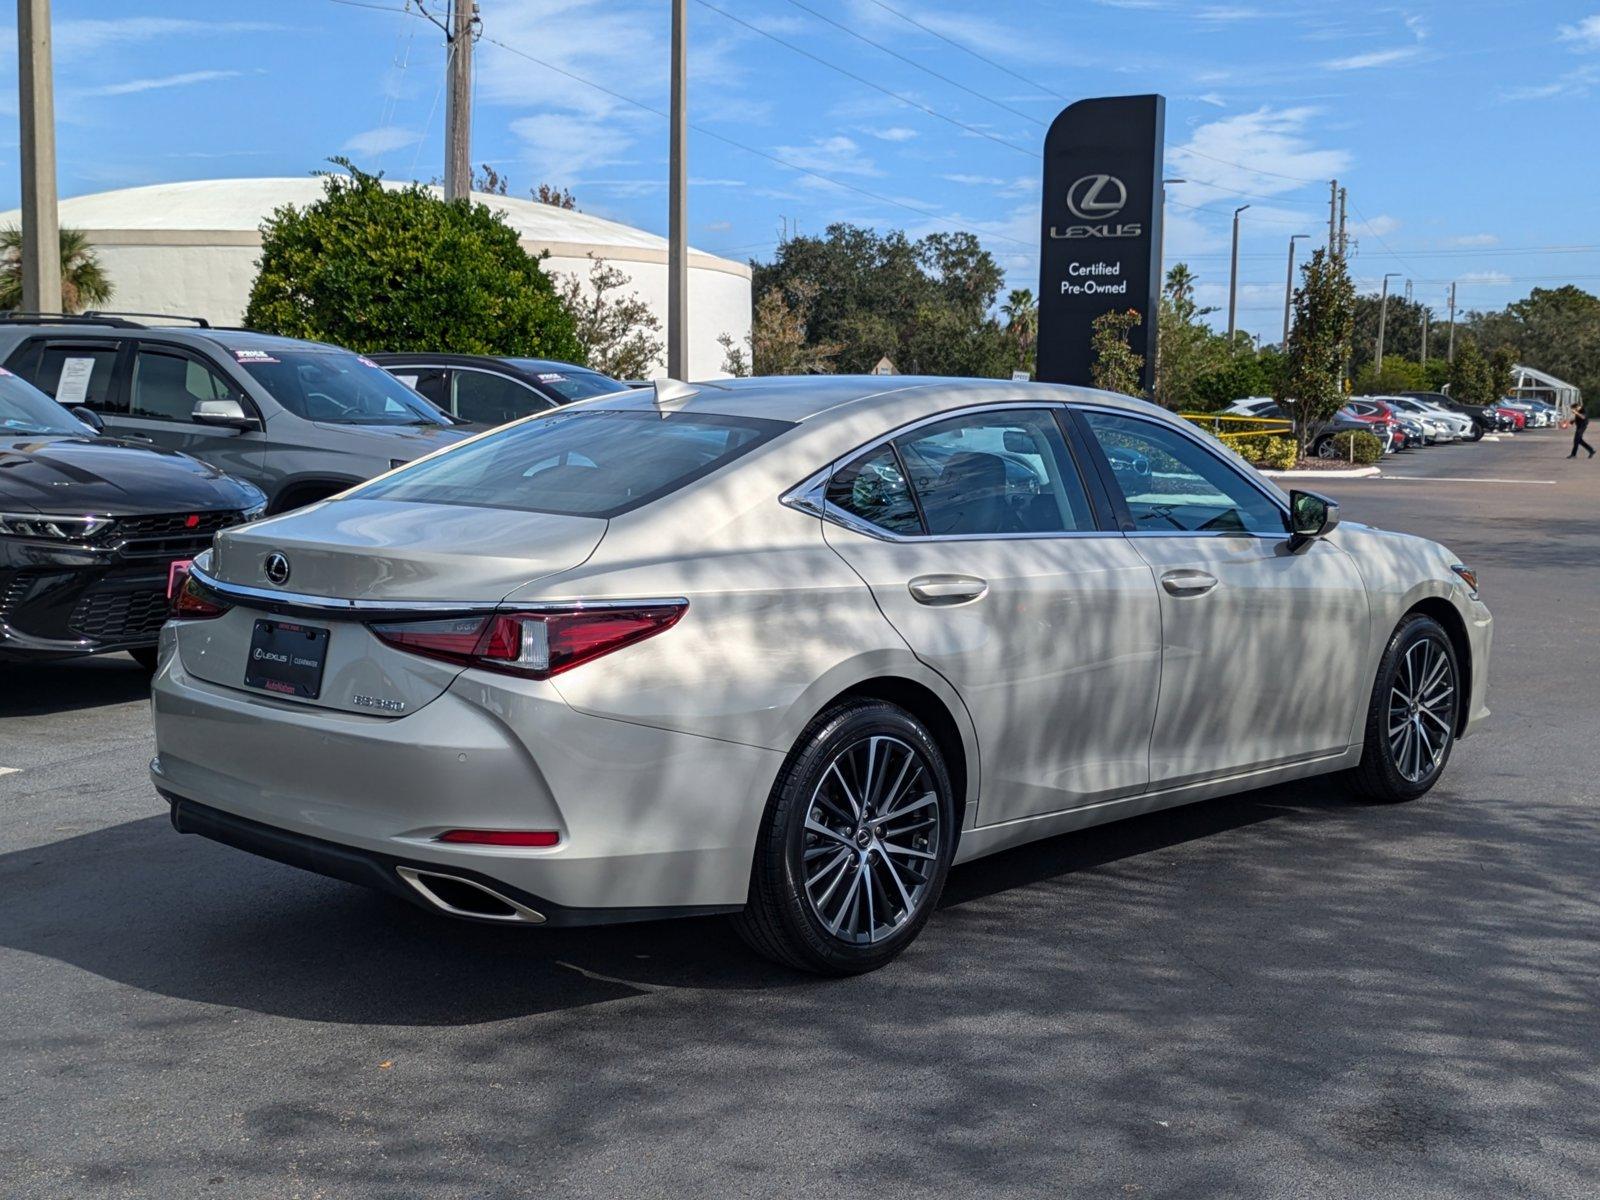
(788, 649)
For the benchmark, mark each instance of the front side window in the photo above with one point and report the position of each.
(1172, 484)
(993, 473)
(169, 385)
(335, 387)
(487, 399)
(873, 489)
(582, 463)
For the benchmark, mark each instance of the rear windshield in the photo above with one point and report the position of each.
(585, 463)
(571, 384)
(336, 387)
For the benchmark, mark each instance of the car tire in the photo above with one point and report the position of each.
(823, 869)
(145, 656)
(1477, 432)
(1403, 761)
(1325, 449)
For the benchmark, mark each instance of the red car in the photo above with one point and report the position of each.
(1381, 420)
(1518, 417)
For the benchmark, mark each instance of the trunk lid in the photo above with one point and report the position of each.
(383, 552)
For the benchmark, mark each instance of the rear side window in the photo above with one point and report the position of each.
(873, 489)
(76, 374)
(487, 399)
(585, 463)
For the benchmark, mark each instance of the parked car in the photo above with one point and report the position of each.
(1518, 418)
(90, 527)
(743, 649)
(1413, 432)
(1437, 427)
(1472, 421)
(300, 420)
(1326, 444)
(1254, 406)
(1536, 413)
(483, 391)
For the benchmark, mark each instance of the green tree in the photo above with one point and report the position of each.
(1021, 312)
(1187, 351)
(83, 280)
(926, 304)
(779, 343)
(1551, 329)
(619, 333)
(1309, 385)
(378, 268)
(1502, 373)
(1398, 375)
(1116, 366)
(1402, 331)
(1471, 377)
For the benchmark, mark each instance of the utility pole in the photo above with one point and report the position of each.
(677, 199)
(1344, 238)
(1288, 288)
(1383, 315)
(1333, 217)
(1233, 277)
(1426, 315)
(41, 231)
(1450, 352)
(458, 102)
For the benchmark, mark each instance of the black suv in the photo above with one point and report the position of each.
(90, 528)
(300, 420)
(483, 391)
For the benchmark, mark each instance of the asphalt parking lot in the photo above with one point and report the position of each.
(1282, 994)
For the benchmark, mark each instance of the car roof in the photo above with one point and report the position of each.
(181, 335)
(799, 398)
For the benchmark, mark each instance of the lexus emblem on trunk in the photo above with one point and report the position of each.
(276, 568)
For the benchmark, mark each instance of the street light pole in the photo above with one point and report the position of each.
(1383, 314)
(1233, 277)
(1450, 351)
(41, 233)
(677, 216)
(1288, 287)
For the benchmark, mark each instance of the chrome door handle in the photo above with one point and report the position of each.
(947, 589)
(1188, 583)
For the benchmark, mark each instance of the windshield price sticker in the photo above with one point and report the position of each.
(253, 356)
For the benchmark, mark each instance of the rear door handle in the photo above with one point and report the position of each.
(1188, 583)
(947, 589)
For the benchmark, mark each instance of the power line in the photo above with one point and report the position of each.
(862, 79)
(1373, 230)
(967, 49)
(861, 37)
(782, 162)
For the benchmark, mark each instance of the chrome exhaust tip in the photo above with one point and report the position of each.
(467, 898)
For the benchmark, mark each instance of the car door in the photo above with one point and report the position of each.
(1262, 659)
(978, 538)
(485, 398)
(165, 382)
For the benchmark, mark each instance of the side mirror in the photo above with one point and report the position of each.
(89, 417)
(1311, 516)
(227, 414)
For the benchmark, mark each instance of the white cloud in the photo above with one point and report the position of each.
(1263, 153)
(1585, 34)
(1485, 277)
(381, 140)
(76, 39)
(1475, 239)
(975, 180)
(836, 155)
(561, 144)
(894, 133)
(1378, 226)
(134, 86)
(718, 226)
(1373, 58)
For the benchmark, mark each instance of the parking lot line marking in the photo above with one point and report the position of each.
(9, 770)
(1461, 479)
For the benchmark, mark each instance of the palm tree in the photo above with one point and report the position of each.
(83, 280)
(1022, 323)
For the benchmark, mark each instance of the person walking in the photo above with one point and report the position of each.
(1580, 422)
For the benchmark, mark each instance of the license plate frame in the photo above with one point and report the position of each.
(287, 658)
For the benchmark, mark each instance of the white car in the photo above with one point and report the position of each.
(790, 648)
(1446, 425)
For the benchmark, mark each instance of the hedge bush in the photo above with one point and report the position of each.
(1267, 451)
(1358, 446)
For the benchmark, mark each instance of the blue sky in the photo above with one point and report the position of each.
(1465, 130)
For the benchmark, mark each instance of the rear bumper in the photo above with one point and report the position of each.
(650, 820)
(383, 872)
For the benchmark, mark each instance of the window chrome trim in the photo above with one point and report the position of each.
(810, 494)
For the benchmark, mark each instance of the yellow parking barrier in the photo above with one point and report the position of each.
(1225, 426)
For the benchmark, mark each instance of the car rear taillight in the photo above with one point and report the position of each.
(533, 643)
(535, 838)
(196, 602)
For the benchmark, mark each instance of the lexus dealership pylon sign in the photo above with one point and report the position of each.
(1102, 229)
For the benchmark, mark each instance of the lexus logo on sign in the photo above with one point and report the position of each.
(276, 569)
(1096, 197)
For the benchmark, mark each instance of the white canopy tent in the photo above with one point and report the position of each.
(1532, 384)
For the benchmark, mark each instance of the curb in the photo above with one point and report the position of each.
(1352, 473)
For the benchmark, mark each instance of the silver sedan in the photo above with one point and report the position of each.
(789, 649)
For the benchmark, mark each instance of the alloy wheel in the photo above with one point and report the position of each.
(1422, 710)
(871, 845)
